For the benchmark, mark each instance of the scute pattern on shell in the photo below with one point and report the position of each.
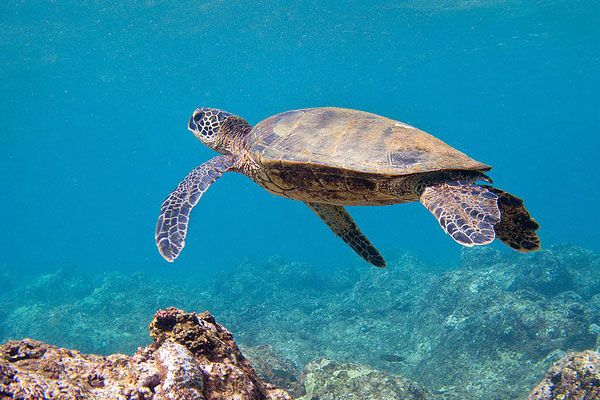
(352, 140)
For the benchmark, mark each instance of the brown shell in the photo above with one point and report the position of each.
(352, 140)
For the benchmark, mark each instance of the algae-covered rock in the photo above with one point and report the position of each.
(271, 366)
(576, 377)
(329, 380)
(229, 373)
(192, 358)
(483, 325)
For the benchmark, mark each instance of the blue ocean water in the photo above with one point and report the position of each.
(95, 98)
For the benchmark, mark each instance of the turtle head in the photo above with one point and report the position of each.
(217, 129)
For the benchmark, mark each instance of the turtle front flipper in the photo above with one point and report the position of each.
(342, 224)
(517, 227)
(172, 224)
(466, 212)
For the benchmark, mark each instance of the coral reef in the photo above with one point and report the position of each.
(489, 323)
(463, 332)
(576, 376)
(192, 358)
(329, 380)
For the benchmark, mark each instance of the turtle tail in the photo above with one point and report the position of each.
(516, 228)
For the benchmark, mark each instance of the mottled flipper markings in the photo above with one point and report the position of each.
(466, 212)
(172, 224)
(342, 224)
(517, 227)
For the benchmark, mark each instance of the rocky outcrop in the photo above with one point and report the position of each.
(576, 376)
(192, 358)
(329, 380)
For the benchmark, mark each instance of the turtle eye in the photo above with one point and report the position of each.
(198, 116)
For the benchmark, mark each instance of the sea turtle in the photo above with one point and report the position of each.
(331, 157)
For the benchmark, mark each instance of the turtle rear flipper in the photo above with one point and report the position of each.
(517, 227)
(465, 211)
(342, 224)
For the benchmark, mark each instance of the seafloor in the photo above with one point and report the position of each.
(487, 328)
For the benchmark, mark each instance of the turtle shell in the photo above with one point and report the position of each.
(352, 140)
